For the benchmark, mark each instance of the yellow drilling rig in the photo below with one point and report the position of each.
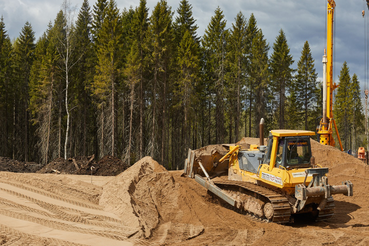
(325, 129)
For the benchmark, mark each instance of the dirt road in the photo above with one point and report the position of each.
(39, 209)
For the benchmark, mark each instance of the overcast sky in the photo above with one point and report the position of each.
(300, 20)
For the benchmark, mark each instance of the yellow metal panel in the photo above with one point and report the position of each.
(291, 133)
(273, 155)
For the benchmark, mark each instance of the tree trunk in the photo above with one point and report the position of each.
(163, 131)
(59, 124)
(152, 147)
(49, 122)
(141, 119)
(283, 95)
(66, 102)
(112, 114)
(130, 124)
(250, 110)
(102, 151)
(237, 118)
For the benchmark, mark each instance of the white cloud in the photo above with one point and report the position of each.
(300, 20)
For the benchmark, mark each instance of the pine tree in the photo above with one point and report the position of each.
(214, 44)
(25, 47)
(306, 89)
(132, 72)
(188, 62)
(140, 27)
(260, 77)
(185, 22)
(82, 75)
(162, 37)
(99, 14)
(45, 82)
(236, 77)
(186, 95)
(251, 31)
(107, 76)
(7, 94)
(292, 113)
(281, 73)
(357, 114)
(343, 106)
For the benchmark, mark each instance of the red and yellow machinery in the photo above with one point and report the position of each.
(272, 182)
(325, 130)
(361, 153)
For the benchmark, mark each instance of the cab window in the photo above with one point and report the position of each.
(298, 152)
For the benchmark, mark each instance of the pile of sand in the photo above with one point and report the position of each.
(147, 198)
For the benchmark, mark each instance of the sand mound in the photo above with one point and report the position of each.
(162, 206)
(338, 162)
(135, 194)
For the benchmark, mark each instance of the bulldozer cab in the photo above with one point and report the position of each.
(291, 152)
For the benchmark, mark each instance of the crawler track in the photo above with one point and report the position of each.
(280, 204)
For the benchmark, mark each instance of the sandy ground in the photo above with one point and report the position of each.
(147, 205)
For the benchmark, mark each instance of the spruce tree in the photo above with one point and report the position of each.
(45, 90)
(161, 39)
(306, 89)
(140, 25)
(236, 77)
(214, 44)
(281, 74)
(260, 77)
(107, 76)
(7, 94)
(343, 106)
(25, 47)
(132, 72)
(251, 32)
(186, 96)
(99, 14)
(357, 114)
(292, 114)
(188, 63)
(82, 75)
(185, 22)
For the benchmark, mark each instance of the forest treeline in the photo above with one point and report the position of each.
(130, 83)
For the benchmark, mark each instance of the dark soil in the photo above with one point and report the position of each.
(10, 165)
(83, 165)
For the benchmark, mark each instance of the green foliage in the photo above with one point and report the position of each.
(260, 77)
(236, 78)
(251, 32)
(147, 84)
(281, 74)
(214, 44)
(108, 47)
(343, 105)
(306, 89)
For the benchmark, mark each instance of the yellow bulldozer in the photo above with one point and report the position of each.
(272, 182)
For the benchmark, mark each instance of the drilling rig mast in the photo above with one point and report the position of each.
(325, 130)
